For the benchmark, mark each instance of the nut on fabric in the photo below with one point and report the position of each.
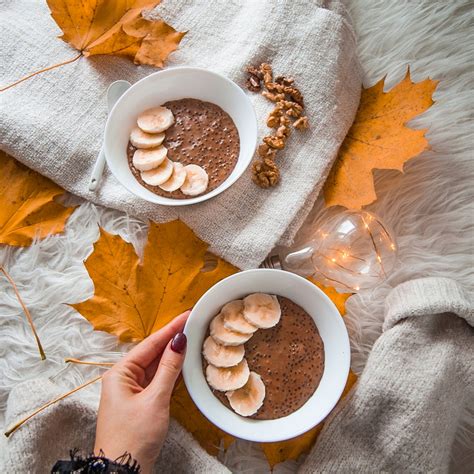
(266, 173)
(289, 105)
(274, 141)
(301, 123)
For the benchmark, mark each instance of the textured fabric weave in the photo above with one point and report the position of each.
(54, 122)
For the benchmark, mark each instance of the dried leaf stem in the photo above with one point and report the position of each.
(25, 309)
(88, 362)
(75, 58)
(57, 399)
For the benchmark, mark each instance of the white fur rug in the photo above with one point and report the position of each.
(430, 207)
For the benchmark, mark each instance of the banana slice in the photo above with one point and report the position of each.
(247, 400)
(262, 310)
(145, 160)
(230, 378)
(222, 356)
(155, 120)
(176, 180)
(224, 336)
(140, 139)
(196, 180)
(158, 175)
(234, 319)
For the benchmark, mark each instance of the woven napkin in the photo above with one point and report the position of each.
(54, 122)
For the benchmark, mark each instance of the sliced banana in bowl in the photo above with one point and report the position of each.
(176, 180)
(146, 160)
(224, 349)
(196, 181)
(225, 336)
(234, 319)
(228, 378)
(143, 140)
(160, 175)
(262, 310)
(150, 156)
(222, 356)
(155, 120)
(246, 401)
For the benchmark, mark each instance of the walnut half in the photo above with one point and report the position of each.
(274, 142)
(253, 84)
(265, 173)
(301, 123)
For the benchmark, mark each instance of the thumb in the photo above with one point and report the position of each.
(169, 368)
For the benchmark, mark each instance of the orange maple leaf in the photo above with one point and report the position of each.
(112, 27)
(208, 435)
(27, 206)
(133, 299)
(378, 139)
(98, 27)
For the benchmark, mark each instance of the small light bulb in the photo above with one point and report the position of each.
(351, 250)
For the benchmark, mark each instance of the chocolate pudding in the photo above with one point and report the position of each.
(202, 134)
(290, 360)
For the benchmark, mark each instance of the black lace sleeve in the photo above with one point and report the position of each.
(96, 465)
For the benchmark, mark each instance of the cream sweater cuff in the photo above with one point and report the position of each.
(428, 296)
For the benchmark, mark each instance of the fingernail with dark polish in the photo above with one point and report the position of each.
(178, 344)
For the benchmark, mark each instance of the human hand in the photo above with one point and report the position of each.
(134, 404)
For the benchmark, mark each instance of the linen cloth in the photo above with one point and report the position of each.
(401, 416)
(54, 122)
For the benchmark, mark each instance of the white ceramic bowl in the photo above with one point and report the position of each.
(173, 84)
(336, 352)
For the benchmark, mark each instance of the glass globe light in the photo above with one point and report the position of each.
(350, 251)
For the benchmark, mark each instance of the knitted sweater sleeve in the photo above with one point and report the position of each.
(403, 413)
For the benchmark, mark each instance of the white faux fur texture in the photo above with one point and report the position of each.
(430, 207)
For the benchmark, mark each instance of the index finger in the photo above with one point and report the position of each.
(150, 348)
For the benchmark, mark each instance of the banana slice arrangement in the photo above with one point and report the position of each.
(224, 350)
(150, 158)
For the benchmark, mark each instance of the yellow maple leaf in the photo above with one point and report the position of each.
(118, 27)
(208, 435)
(133, 299)
(115, 27)
(378, 139)
(339, 299)
(27, 206)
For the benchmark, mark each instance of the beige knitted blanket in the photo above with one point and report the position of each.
(54, 122)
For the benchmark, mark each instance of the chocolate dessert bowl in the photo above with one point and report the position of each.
(282, 415)
(224, 154)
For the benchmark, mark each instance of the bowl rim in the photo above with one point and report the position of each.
(182, 70)
(275, 436)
